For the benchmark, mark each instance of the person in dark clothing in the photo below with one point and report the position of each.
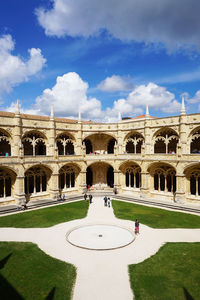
(105, 201)
(137, 224)
(90, 198)
(85, 197)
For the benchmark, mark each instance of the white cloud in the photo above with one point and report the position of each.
(13, 69)
(173, 23)
(116, 83)
(156, 97)
(152, 95)
(69, 94)
(29, 111)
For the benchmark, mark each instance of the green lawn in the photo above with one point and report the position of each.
(171, 274)
(28, 273)
(46, 217)
(154, 217)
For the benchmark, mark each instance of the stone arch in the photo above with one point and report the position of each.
(194, 139)
(36, 179)
(165, 141)
(132, 174)
(192, 174)
(5, 143)
(68, 176)
(164, 177)
(65, 144)
(133, 142)
(99, 133)
(100, 175)
(7, 181)
(34, 143)
(65, 133)
(99, 143)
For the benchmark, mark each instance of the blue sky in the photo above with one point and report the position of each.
(100, 57)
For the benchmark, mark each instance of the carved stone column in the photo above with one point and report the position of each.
(144, 189)
(54, 188)
(180, 189)
(19, 190)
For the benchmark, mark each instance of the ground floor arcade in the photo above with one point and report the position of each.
(161, 180)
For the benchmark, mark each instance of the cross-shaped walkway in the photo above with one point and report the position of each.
(101, 275)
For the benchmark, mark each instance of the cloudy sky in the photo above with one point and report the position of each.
(100, 57)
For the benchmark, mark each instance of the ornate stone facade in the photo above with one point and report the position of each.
(154, 158)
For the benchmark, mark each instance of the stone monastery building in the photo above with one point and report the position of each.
(155, 158)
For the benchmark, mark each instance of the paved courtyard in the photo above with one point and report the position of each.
(101, 274)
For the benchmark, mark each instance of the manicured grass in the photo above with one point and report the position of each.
(28, 273)
(171, 274)
(154, 217)
(46, 217)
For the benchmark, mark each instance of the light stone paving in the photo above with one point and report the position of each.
(100, 237)
(101, 275)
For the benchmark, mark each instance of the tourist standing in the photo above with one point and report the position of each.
(90, 198)
(137, 224)
(63, 198)
(108, 202)
(105, 201)
(85, 197)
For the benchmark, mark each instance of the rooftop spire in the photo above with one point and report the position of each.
(147, 112)
(119, 116)
(17, 111)
(183, 111)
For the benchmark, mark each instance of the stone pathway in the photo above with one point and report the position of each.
(101, 275)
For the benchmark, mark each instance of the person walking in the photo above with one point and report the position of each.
(85, 197)
(105, 201)
(108, 202)
(90, 198)
(137, 224)
(63, 197)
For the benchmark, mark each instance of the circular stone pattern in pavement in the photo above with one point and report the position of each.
(100, 237)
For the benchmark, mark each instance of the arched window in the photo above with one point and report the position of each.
(133, 176)
(5, 183)
(65, 145)
(166, 142)
(164, 179)
(35, 180)
(5, 148)
(195, 142)
(34, 144)
(134, 143)
(66, 177)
